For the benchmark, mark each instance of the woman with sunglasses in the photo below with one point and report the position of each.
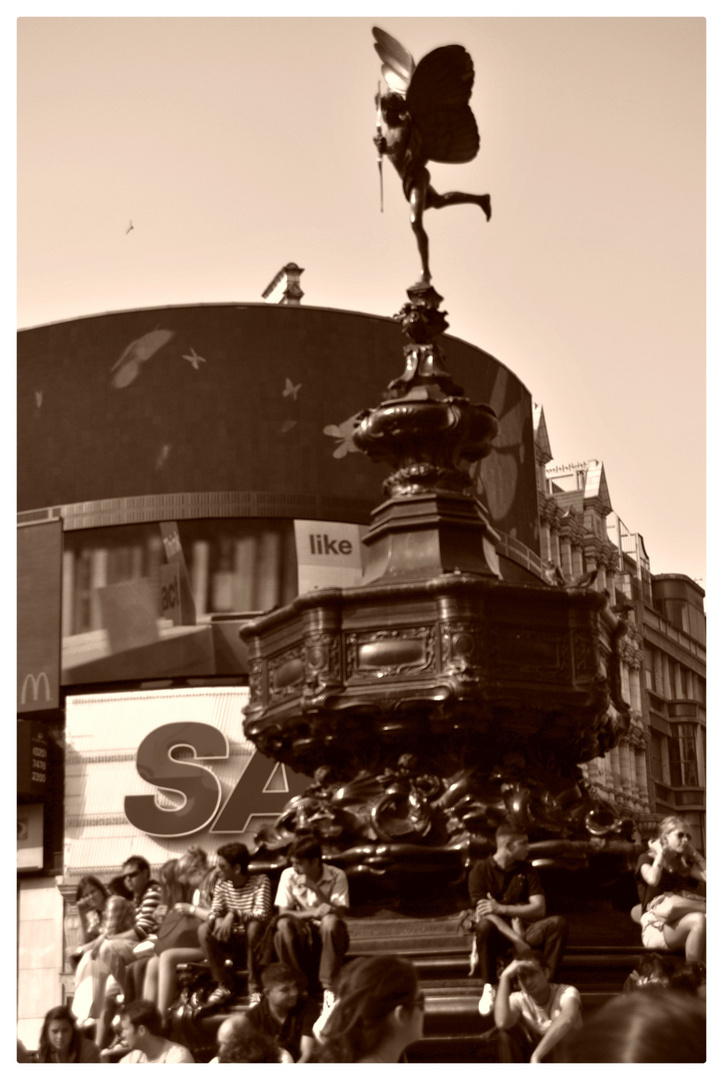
(377, 1013)
(673, 915)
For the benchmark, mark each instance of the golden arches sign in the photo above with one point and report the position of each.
(35, 682)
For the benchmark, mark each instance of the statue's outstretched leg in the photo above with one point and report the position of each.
(417, 202)
(454, 198)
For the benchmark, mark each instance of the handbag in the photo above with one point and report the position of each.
(177, 931)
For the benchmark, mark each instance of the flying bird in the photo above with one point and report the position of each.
(130, 226)
(194, 359)
(290, 390)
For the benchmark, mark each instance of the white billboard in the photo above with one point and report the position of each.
(328, 553)
(152, 772)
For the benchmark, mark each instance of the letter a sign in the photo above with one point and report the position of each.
(262, 789)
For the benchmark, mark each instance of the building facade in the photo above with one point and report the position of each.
(658, 768)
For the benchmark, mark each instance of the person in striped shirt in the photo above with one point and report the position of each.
(241, 906)
(116, 953)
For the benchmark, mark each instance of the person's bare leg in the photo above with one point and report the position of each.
(150, 980)
(688, 933)
(167, 976)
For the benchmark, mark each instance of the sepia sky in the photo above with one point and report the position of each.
(236, 145)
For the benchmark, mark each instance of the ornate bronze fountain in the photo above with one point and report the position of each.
(435, 700)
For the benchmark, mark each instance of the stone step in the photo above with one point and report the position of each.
(453, 1029)
(610, 933)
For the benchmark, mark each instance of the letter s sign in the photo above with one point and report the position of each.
(201, 790)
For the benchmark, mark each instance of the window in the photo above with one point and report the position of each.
(678, 677)
(676, 612)
(683, 757)
(648, 668)
(658, 758)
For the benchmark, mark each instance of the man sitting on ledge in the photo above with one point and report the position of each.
(241, 905)
(311, 935)
(533, 1020)
(510, 908)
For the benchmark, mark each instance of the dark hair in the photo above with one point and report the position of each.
(118, 887)
(143, 1012)
(367, 991)
(247, 1045)
(534, 956)
(235, 855)
(305, 847)
(89, 881)
(172, 889)
(644, 1026)
(506, 832)
(275, 974)
(137, 862)
(45, 1050)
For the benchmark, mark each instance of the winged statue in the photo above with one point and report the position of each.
(426, 117)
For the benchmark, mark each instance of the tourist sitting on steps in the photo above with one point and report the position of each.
(672, 915)
(510, 910)
(117, 953)
(141, 1027)
(533, 1020)
(284, 1014)
(240, 907)
(311, 935)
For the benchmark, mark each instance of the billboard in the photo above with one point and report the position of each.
(39, 555)
(166, 599)
(152, 772)
(123, 413)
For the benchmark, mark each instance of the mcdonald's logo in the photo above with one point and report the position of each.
(35, 683)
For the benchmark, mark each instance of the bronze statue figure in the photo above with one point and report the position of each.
(427, 118)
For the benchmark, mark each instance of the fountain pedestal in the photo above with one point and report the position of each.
(434, 700)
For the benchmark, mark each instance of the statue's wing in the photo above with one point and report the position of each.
(397, 62)
(438, 101)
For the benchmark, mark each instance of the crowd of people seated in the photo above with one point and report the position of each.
(305, 1002)
(539, 1020)
(138, 934)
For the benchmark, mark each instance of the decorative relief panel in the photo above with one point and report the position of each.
(540, 654)
(256, 682)
(373, 655)
(460, 648)
(583, 652)
(322, 659)
(286, 673)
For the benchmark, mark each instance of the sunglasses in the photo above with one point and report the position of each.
(419, 1001)
(131, 875)
(683, 835)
